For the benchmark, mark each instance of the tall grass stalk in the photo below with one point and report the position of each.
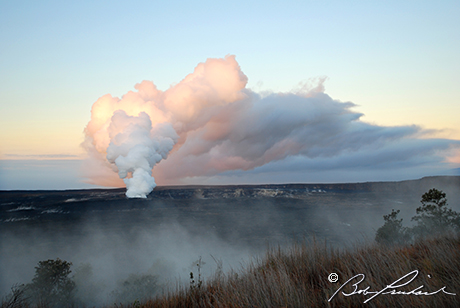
(298, 277)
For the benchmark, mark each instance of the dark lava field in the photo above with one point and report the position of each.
(166, 232)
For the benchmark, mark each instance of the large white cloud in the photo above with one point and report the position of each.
(211, 125)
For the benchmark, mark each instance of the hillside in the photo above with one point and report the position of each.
(166, 232)
(299, 277)
(425, 274)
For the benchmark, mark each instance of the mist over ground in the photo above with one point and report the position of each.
(108, 237)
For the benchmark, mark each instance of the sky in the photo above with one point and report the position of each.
(395, 61)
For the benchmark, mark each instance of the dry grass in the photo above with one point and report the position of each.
(299, 278)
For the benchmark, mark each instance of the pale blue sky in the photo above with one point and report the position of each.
(397, 60)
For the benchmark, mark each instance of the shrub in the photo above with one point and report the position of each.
(392, 232)
(16, 299)
(433, 217)
(51, 285)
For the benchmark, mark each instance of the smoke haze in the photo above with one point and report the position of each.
(109, 238)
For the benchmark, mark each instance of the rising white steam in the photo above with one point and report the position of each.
(132, 134)
(210, 124)
(135, 149)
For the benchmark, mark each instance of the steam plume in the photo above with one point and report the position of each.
(210, 123)
(135, 148)
(132, 134)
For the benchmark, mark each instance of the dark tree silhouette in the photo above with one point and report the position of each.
(392, 232)
(433, 217)
(51, 284)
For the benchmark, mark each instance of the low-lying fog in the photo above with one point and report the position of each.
(111, 240)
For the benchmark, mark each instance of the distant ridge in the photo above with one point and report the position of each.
(419, 186)
(357, 186)
(447, 180)
(449, 184)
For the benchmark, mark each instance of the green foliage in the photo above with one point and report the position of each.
(392, 232)
(51, 285)
(433, 218)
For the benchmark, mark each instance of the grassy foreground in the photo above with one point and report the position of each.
(299, 278)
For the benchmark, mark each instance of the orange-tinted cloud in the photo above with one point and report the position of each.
(210, 123)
